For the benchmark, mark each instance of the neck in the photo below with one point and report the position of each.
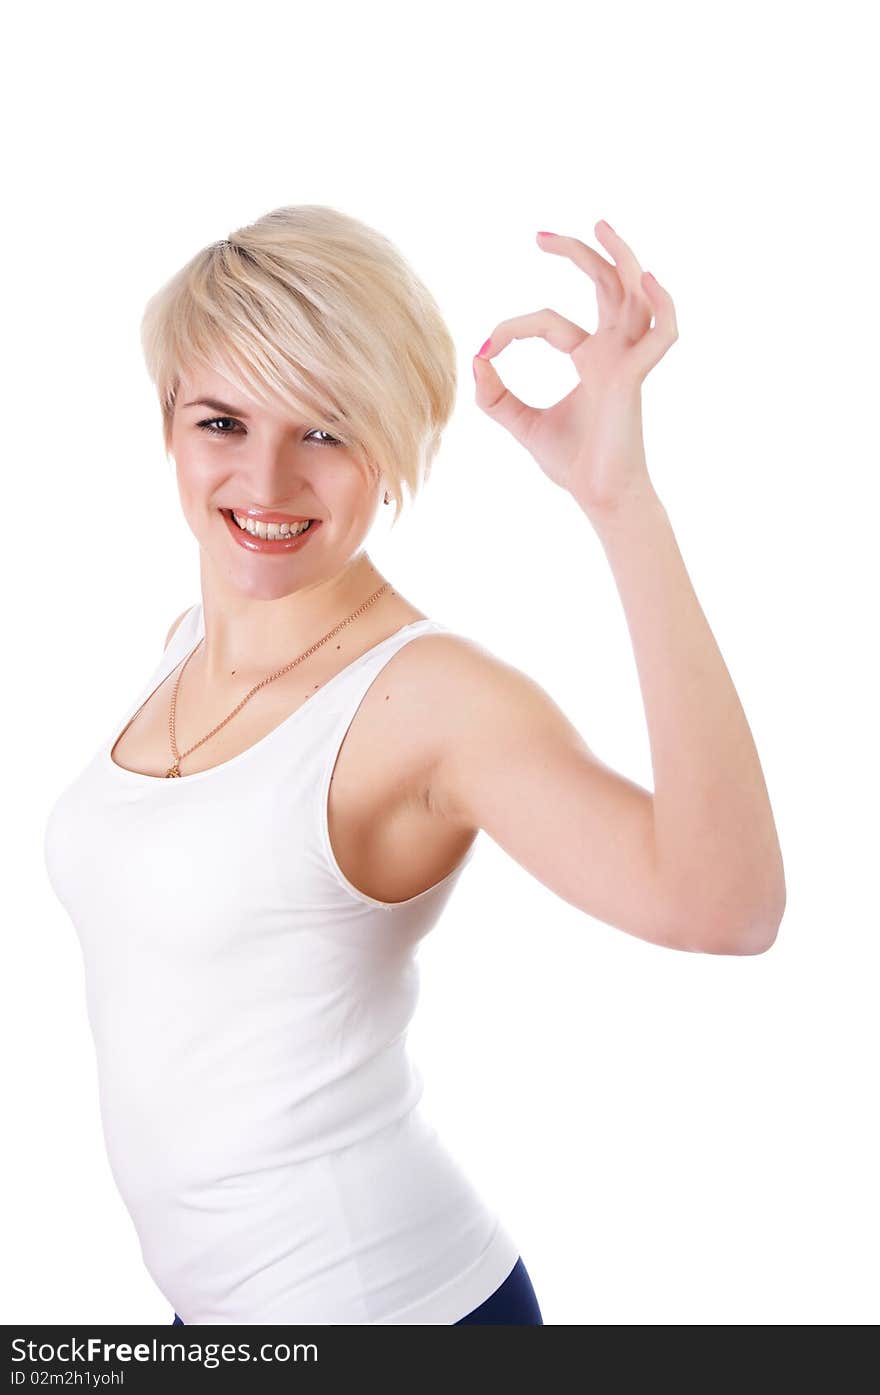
(246, 635)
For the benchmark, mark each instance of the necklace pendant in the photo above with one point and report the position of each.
(173, 772)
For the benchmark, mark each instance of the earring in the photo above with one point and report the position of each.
(387, 500)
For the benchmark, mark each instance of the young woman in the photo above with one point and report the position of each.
(252, 857)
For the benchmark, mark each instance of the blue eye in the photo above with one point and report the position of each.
(213, 430)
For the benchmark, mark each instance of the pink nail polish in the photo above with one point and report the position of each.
(483, 348)
(546, 234)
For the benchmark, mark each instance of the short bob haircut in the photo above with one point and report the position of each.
(311, 308)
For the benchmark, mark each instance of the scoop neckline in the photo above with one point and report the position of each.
(140, 777)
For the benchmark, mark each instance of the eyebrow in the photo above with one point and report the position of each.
(224, 407)
(218, 407)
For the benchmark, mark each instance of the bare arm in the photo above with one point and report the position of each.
(694, 866)
(715, 838)
(697, 863)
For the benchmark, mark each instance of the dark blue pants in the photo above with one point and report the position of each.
(514, 1304)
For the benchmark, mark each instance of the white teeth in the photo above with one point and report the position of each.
(270, 530)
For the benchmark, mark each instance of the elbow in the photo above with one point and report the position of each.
(754, 940)
(753, 932)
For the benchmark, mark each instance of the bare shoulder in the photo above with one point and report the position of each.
(471, 708)
(466, 674)
(472, 684)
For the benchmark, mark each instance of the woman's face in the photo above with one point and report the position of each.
(234, 455)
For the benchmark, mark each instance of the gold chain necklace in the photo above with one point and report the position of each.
(174, 770)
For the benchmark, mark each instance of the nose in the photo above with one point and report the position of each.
(274, 479)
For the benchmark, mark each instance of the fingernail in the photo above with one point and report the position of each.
(483, 347)
(546, 234)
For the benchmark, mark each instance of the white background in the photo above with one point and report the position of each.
(672, 1138)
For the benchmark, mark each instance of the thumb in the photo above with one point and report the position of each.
(493, 398)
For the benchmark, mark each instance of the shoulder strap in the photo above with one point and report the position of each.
(182, 641)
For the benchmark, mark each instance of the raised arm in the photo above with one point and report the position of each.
(696, 864)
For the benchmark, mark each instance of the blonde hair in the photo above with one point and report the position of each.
(311, 307)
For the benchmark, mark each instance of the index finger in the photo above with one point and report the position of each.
(603, 274)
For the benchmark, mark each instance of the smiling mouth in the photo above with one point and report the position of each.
(268, 532)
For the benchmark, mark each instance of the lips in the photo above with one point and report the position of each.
(251, 543)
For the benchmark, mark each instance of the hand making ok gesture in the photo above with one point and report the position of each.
(590, 442)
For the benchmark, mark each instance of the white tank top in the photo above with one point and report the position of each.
(249, 1008)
